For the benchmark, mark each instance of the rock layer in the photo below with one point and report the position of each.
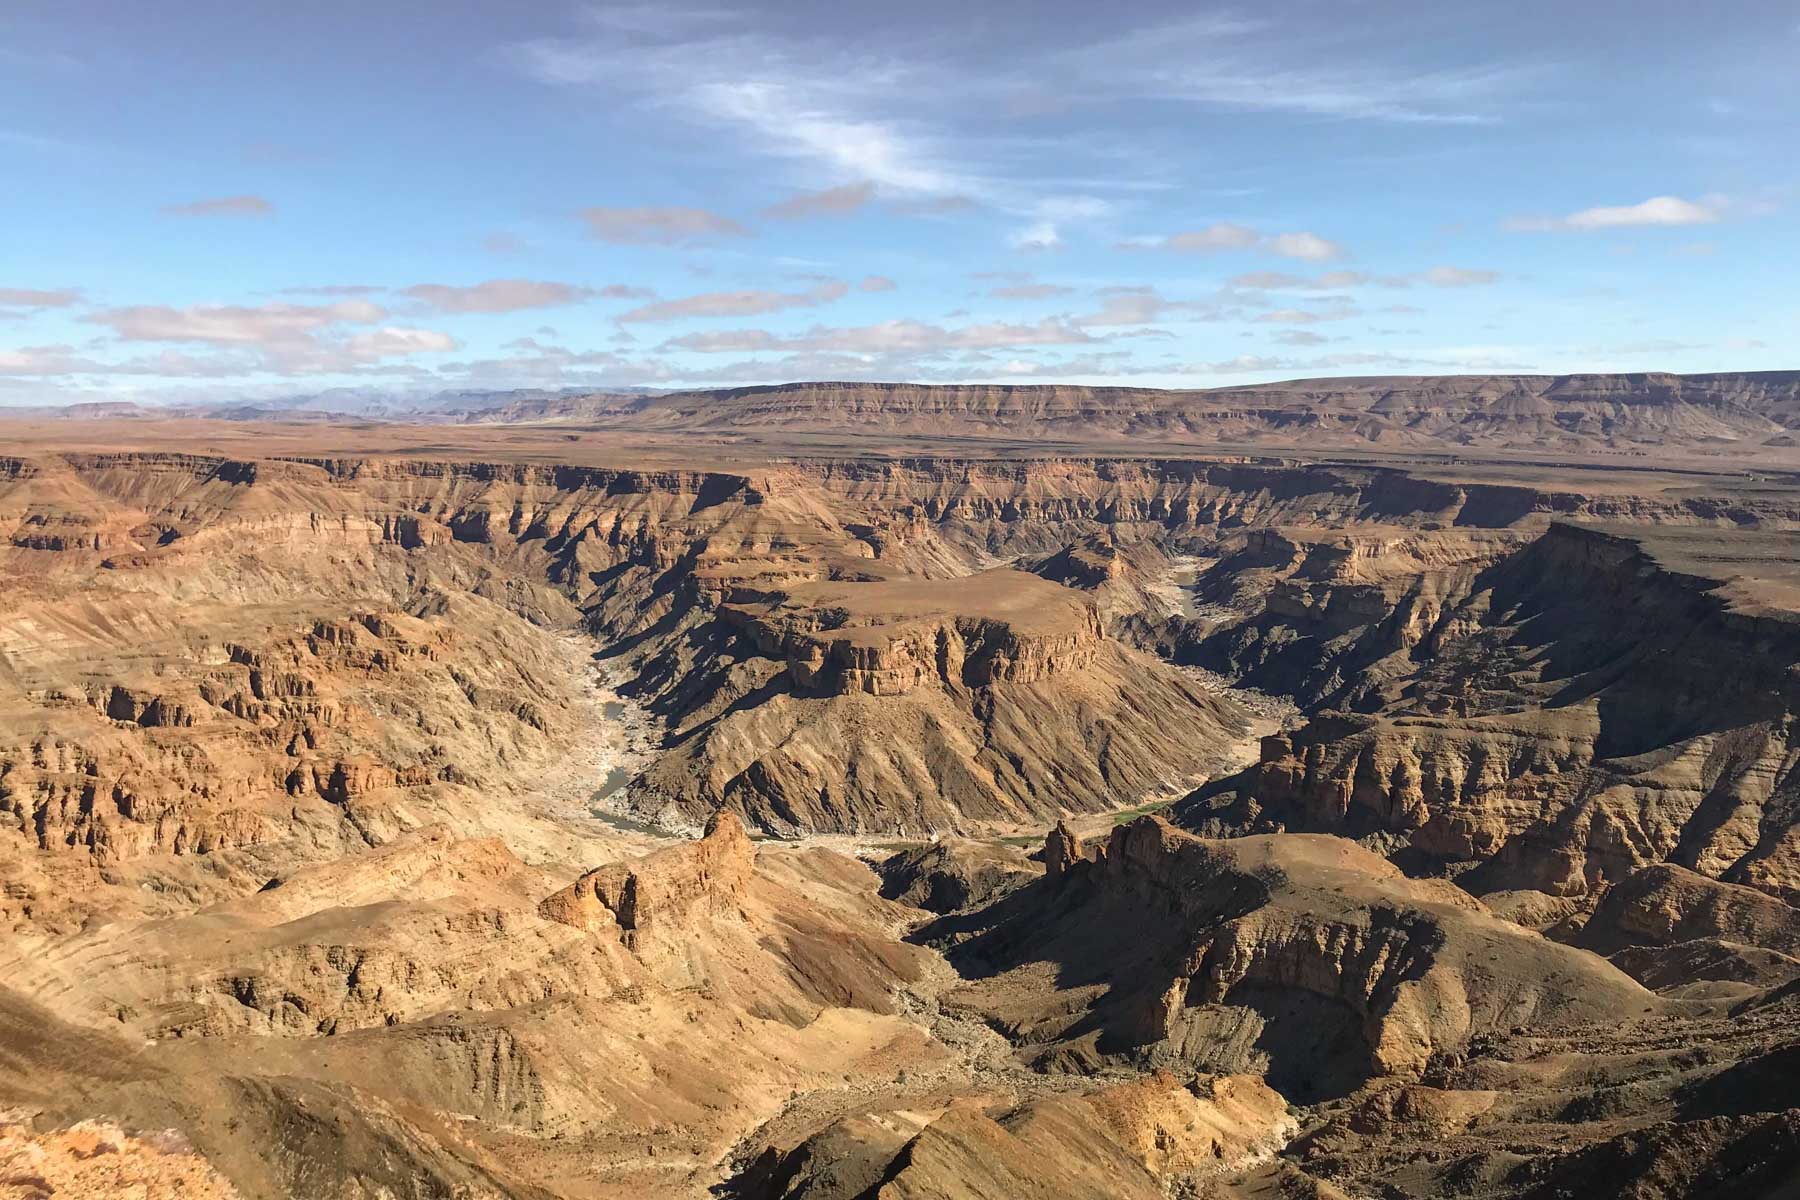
(1304, 955)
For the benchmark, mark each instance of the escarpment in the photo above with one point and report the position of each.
(1529, 412)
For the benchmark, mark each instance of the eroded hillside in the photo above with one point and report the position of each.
(347, 800)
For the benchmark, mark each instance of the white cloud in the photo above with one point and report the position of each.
(806, 99)
(1656, 211)
(279, 338)
(1308, 246)
(392, 342)
(1051, 214)
(1226, 235)
(1039, 235)
(268, 324)
(877, 283)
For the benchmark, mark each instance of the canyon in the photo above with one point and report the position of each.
(1337, 788)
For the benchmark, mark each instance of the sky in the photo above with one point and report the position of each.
(224, 201)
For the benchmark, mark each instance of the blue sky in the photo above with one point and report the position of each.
(235, 200)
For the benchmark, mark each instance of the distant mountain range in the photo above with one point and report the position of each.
(1756, 412)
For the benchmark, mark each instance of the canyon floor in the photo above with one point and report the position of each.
(906, 792)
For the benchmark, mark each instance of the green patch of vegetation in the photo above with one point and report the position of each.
(1126, 815)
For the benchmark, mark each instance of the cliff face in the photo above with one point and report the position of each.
(181, 674)
(886, 638)
(1564, 719)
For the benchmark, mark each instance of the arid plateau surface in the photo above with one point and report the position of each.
(1347, 788)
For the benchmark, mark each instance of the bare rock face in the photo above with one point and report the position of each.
(1132, 1141)
(665, 890)
(1562, 720)
(1305, 956)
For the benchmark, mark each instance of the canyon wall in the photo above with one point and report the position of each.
(829, 646)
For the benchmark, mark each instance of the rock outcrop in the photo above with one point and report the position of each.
(953, 873)
(1133, 1141)
(663, 891)
(1303, 956)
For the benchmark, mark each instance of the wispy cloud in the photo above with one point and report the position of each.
(282, 338)
(1029, 291)
(886, 337)
(1458, 277)
(1126, 306)
(1282, 281)
(659, 226)
(1226, 235)
(891, 116)
(810, 100)
(737, 304)
(224, 206)
(1221, 236)
(1341, 311)
(20, 302)
(1230, 62)
(505, 295)
(830, 202)
(233, 324)
(1440, 276)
